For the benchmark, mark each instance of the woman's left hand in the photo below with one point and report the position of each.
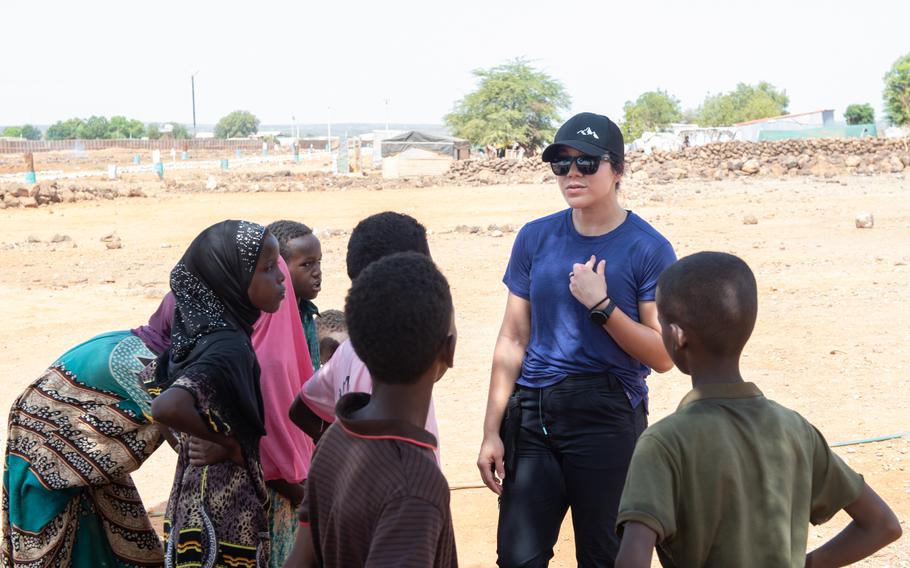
(587, 282)
(202, 452)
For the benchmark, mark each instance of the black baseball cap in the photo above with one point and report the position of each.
(592, 134)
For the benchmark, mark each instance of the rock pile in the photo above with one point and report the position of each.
(61, 191)
(821, 158)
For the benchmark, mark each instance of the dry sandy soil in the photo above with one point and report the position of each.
(831, 339)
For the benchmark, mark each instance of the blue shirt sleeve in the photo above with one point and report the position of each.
(654, 264)
(518, 273)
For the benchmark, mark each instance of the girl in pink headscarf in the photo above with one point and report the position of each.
(285, 451)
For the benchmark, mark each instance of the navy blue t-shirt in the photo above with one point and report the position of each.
(564, 341)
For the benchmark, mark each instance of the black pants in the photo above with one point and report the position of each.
(566, 446)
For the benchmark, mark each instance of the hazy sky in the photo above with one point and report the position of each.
(281, 59)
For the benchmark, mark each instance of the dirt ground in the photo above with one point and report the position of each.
(831, 340)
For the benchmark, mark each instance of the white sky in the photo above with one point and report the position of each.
(281, 59)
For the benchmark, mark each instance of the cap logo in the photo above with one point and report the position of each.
(588, 132)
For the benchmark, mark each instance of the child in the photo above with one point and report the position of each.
(732, 478)
(375, 495)
(284, 451)
(303, 253)
(209, 378)
(332, 331)
(373, 238)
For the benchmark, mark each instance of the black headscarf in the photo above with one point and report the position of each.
(214, 317)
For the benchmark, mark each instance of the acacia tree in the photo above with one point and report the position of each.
(859, 114)
(653, 110)
(746, 102)
(513, 103)
(238, 124)
(897, 92)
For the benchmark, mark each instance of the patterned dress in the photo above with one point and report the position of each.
(75, 435)
(216, 515)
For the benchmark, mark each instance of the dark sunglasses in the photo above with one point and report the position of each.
(587, 165)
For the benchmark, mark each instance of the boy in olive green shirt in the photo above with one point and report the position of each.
(732, 478)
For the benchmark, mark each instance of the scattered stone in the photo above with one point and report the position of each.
(864, 220)
(211, 183)
(750, 220)
(33, 239)
(496, 233)
(58, 238)
(751, 166)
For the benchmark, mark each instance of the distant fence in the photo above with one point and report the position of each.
(22, 146)
(851, 131)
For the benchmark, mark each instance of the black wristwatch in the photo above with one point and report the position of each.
(600, 317)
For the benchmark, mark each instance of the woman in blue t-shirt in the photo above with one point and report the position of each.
(568, 397)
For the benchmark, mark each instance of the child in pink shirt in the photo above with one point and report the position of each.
(342, 374)
(374, 237)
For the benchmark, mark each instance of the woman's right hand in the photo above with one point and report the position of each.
(490, 462)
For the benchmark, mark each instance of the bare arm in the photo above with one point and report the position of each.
(588, 285)
(169, 437)
(508, 354)
(302, 555)
(873, 527)
(640, 340)
(293, 492)
(176, 409)
(637, 546)
(307, 420)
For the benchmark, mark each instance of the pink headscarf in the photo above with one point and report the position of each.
(285, 364)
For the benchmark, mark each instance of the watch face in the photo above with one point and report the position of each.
(598, 317)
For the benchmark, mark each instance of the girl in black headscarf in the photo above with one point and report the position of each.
(207, 386)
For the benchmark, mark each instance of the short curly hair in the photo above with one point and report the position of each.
(383, 234)
(286, 231)
(399, 312)
(331, 320)
(711, 295)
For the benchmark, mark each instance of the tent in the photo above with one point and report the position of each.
(457, 148)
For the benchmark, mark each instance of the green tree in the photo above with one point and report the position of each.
(178, 131)
(122, 127)
(64, 130)
(12, 132)
(746, 102)
(513, 103)
(93, 128)
(238, 124)
(29, 132)
(652, 111)
(897, 92)
(859, 114)
(153, 132)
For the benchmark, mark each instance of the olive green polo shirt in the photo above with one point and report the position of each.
(734, 479)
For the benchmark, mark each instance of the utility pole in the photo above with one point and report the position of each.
(386, 114)
(330, 131)
(193, 88)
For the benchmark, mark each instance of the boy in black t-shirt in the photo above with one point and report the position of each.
(374, 494)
